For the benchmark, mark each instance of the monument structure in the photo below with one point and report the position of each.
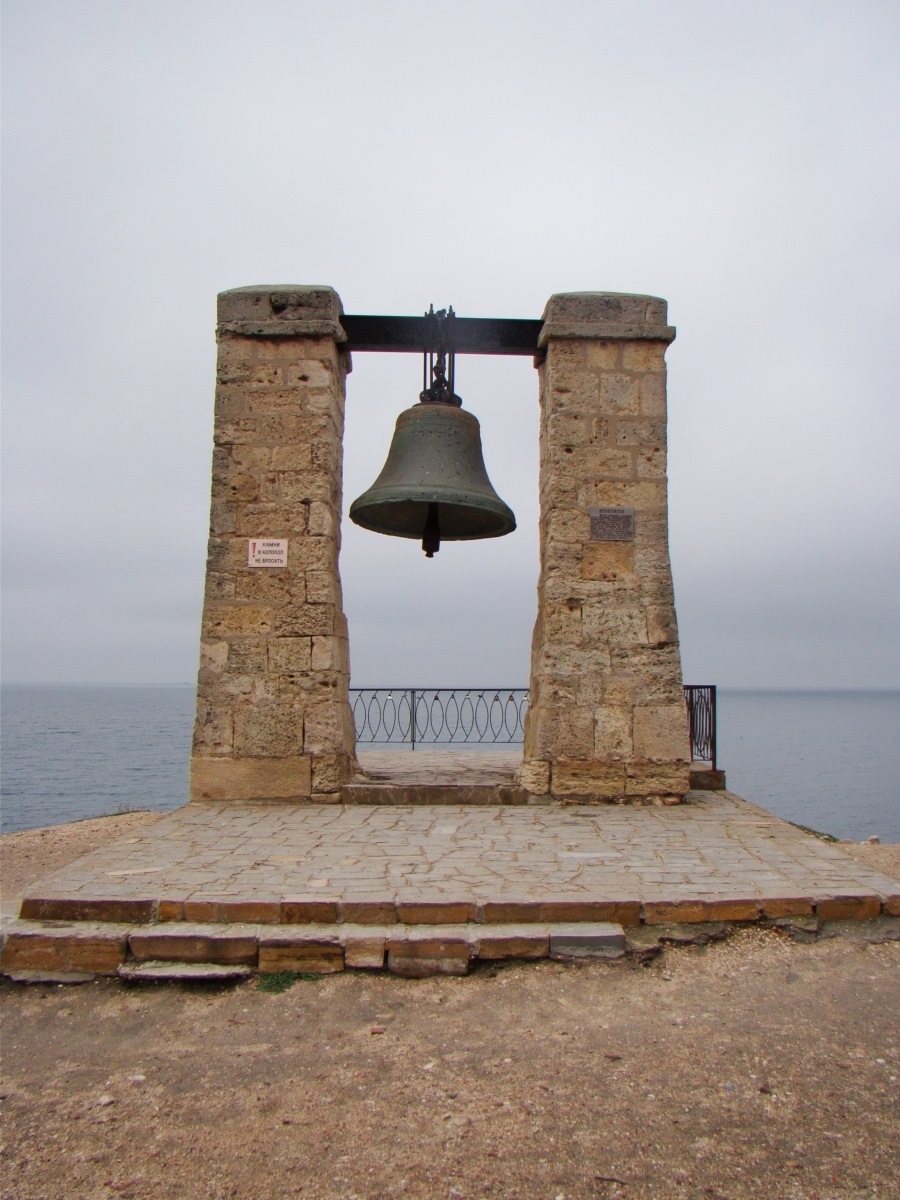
(606, 720)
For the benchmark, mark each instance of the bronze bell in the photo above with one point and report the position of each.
(434, 485)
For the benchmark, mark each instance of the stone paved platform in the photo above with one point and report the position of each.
(717, 857)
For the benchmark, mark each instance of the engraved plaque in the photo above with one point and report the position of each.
(612, 524)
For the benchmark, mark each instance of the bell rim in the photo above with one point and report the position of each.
(500, 510)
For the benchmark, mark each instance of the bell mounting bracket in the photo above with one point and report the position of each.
(439, 359)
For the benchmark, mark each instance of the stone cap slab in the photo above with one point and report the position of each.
(608, 316)
(281, 310)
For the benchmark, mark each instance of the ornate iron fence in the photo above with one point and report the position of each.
(479, 716)
(701, 706)
(439, 716)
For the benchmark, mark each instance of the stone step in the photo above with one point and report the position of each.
(413, 950)
(310, 908)
(181, 971)
(373, 792)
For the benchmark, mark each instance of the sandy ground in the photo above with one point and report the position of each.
(34, 853)
(757, 1067)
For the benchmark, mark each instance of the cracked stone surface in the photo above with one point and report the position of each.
(716, 848)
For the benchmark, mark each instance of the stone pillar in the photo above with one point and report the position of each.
(607, 719)
(273, 715)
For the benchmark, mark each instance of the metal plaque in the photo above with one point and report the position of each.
(612, 524)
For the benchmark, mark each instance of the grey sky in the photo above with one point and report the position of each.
(739, 160)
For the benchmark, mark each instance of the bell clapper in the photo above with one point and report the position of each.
(431, 536)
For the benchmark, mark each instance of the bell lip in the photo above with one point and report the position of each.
(502, 512)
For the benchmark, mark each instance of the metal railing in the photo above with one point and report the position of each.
(701, 706)
(439, 716)
(479, 716)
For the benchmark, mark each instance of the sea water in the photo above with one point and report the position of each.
(829, 760)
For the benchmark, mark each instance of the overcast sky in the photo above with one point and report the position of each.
(740, 160)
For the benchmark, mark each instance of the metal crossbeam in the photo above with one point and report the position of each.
(471, 335)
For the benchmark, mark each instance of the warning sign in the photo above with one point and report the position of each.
(267, 552)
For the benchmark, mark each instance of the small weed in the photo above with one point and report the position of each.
(825, 837)
(279, 981)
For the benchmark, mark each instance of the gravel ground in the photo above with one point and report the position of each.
(757, 1067)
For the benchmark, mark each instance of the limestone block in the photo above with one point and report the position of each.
(269, 520)
(267, 730)
(115, 910)
(652, 564)
(372, 910)
(619, 625)
(661, 732)
(325, 726)
(330, 654)
(517, 941)
(569, 429)
(282, 778)
(272, 305)
(848, 908)
(600, 462)
(237, 620)
(306, 487)
(572, 779)
(619, 392)
(418, 959)
(558, 690)
(330, 771)
(640, 432)
(81, 946)
(569, 358)
(365, 951)
(276, 588)
(306, 620)
(247, 658)
(292, 458)
(288, 655)
(603, 356)
(561, 731)
(312, 371)
(562, 623)
(242, 487)
(653, 395)
(613, 733)
(774, 907)
(316, 554)
(650, 463)
(658, 779)
(237, 431)
(185, 941)
(569, 526)
(606, 308)
(653, 673)
(662, 627)
(316, 959)
(637, 494)
(322, 587)
(608, 560)
(534, 776)
(599, 939)
(214, 725)
(436, 912)
(222, 517)
(219, 586)
(214, 655)
(600, 430)
(644, 356)
(323, 520)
